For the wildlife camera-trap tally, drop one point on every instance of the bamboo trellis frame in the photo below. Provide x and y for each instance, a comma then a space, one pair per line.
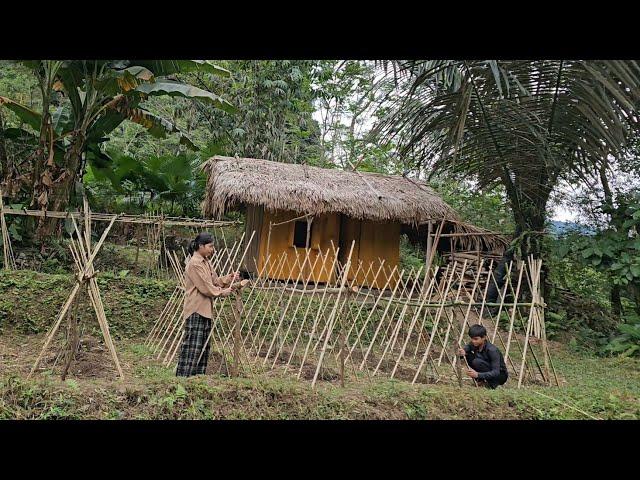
155, 223
84, 257
124, 218
410, 329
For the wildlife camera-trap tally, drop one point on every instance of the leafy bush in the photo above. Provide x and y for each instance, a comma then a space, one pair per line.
627, 340
411, 256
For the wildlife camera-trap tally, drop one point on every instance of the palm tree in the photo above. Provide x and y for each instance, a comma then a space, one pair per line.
523, 124
93, 97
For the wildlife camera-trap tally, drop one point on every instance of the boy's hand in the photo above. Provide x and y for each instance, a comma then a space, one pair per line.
462, 352
472, 373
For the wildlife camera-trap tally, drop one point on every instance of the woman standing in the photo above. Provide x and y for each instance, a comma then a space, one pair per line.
201, 286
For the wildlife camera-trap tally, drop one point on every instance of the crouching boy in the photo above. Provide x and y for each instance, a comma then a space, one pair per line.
486, 363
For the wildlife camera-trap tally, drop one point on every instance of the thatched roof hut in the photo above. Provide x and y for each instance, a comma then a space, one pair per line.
283, 201
313, 190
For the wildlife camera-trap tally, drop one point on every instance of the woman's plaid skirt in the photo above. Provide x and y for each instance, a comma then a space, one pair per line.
192, 359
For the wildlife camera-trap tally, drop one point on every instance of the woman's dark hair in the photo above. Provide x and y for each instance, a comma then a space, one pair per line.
203, 238
477, 330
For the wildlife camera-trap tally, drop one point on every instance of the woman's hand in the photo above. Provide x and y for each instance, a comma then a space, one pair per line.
225, 292
235, 276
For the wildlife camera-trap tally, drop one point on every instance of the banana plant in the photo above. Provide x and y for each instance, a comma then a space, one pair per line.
91, 98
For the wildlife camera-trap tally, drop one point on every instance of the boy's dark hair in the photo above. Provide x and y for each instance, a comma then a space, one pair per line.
477, 330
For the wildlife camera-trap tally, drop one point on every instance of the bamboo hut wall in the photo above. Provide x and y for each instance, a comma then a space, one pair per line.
253, 222
375, 242
324, 232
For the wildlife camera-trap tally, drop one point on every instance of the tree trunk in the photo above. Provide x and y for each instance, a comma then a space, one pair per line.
529, 206
55, 185
616, 304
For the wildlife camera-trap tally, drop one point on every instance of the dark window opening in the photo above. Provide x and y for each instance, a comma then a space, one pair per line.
300, 234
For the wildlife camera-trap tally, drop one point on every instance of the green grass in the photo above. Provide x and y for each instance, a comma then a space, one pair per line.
29, 299
607, 388
603, 388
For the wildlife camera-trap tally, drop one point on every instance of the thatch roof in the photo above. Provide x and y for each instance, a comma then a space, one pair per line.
313, 190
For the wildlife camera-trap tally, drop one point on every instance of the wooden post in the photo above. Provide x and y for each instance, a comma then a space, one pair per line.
136, 235
428, 260
9, 262
545, 345
236, 307
72, 338
333, 315
268, 252
341, 339
309, 221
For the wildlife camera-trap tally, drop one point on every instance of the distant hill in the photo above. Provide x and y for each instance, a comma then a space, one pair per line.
557, 228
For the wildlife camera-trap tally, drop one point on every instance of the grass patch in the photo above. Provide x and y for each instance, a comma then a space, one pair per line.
606, 388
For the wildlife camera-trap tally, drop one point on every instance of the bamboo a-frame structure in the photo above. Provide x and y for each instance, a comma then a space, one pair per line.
83, 256
411, 329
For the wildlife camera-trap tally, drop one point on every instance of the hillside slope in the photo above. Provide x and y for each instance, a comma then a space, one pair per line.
592, 387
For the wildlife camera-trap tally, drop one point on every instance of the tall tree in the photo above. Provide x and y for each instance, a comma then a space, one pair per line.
523, 124
274, 120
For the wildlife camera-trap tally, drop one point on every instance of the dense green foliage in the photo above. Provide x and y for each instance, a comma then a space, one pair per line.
495, 138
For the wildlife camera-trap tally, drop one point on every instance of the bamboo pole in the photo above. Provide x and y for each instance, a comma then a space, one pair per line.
9, 261
362, 303
414, 319
143, 219
259, 344
333, 315
375, 334
502, 297
82, 277
373, 309
435, 326
513, 311
92, 287
332, 290
276, 269
486, 289
237, 309
295, 311
450, 321
535, 275
439, 287
401, 302
465, 322
308, 310
394, 335
284, 312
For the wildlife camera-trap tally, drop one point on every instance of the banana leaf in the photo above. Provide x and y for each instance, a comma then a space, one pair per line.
175, 89
30, 117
